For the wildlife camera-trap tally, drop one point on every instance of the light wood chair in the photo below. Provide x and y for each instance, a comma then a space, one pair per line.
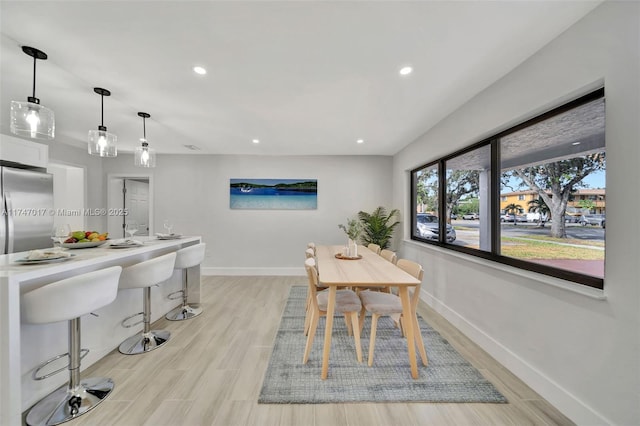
389, 255
347, 303
312, 246
381, 304
374, 248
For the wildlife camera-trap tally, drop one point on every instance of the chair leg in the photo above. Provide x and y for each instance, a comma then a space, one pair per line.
363, 313
311, 334
356, 335
307, 315
372, 339
418, 337
348, 324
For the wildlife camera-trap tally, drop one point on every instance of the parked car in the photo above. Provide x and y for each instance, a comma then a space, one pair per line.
428, 227
454, 216
568, 218
513, 218
471, 216
592, 219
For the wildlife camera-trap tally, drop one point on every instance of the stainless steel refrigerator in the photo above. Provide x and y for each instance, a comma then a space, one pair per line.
27, 210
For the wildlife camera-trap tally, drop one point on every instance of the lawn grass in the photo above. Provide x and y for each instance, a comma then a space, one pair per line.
520, 249
591, 243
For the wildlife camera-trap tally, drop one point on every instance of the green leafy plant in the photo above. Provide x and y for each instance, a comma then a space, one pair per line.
378, 226
353, 229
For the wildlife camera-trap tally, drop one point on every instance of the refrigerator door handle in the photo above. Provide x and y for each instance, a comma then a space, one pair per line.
3, 228
9, 209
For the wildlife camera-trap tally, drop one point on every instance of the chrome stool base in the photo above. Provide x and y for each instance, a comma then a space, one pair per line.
144, 342
184, 313
65, 404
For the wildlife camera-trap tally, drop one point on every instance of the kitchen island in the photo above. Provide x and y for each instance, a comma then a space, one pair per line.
24, 346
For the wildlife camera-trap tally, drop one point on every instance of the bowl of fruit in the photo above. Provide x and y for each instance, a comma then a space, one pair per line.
85, 239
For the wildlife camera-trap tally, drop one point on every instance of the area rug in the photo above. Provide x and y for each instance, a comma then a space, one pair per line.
447, 378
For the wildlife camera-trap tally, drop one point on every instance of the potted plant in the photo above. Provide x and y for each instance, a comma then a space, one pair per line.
378, 226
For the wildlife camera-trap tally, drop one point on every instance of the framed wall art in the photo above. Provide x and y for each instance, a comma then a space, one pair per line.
273, 194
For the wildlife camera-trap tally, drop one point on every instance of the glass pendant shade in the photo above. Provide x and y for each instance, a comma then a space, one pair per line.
32, 120
29, 118
145, 156
102, 143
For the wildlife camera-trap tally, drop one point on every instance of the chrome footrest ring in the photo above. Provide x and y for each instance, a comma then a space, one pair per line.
125, 325
34, 375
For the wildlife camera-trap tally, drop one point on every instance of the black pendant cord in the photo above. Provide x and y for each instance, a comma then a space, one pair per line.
34, 76
101, 110
144, 128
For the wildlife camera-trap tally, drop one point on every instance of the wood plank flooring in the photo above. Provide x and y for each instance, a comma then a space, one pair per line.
210, 373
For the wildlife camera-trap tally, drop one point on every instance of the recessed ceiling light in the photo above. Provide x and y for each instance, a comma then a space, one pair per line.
575, 143
360, 141
192, 147
406, 70
255, 141
199, 70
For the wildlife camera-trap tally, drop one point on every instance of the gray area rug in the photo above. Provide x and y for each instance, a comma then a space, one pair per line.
447, 378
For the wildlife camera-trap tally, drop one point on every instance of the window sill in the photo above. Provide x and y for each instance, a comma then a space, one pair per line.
583, 290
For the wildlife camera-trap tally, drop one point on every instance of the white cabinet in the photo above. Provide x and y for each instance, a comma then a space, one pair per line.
23, 151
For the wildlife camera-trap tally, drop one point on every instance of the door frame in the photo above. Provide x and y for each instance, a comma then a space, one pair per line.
114, 178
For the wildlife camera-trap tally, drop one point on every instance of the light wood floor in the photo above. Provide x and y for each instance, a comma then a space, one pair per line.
210, 373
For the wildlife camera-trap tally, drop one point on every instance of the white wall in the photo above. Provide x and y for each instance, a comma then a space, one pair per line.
193, 191
580, 353
61, 153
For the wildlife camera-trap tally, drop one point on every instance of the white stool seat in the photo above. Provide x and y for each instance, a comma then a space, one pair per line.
69, 299
148, 273
186, 258
145, 275
190, 256
72, 297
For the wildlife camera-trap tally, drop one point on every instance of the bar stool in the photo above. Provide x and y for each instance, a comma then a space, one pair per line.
68, 300
186, 258
144, 275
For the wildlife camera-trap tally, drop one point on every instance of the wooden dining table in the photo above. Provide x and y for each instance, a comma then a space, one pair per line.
371, 270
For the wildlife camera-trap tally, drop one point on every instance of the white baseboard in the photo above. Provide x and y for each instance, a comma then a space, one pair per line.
568, 404
282, 271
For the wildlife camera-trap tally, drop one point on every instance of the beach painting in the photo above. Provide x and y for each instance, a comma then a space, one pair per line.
273, 194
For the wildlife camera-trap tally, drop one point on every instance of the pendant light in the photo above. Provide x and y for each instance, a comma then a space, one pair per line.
145, 156
30, 118
101, 143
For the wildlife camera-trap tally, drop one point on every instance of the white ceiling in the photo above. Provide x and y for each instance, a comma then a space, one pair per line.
303, 77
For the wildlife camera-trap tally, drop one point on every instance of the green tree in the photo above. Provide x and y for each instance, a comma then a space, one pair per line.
587, 205
377, 227
460, 184
554, 183
427, 191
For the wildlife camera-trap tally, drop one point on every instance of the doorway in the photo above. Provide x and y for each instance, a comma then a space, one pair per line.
133, 194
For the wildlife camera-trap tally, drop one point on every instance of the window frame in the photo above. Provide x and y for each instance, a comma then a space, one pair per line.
493, 254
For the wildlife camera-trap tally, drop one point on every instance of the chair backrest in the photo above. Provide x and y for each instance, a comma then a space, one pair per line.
190, 256
389, 255
149, 272
414, 269
312, 246
374, 248
312, 275
309, 253
411, 268
72, 297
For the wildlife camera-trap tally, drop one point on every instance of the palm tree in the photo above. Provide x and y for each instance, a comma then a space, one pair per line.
513, 209
539, 206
